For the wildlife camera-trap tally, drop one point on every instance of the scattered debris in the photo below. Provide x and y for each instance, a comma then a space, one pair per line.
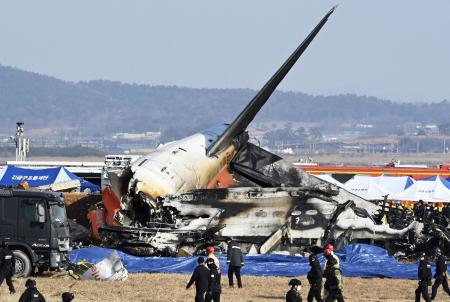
197, 191
109, 269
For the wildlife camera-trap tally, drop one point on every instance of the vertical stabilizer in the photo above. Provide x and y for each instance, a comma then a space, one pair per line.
248, 114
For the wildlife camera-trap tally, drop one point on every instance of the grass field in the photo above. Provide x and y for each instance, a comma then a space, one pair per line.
171, 287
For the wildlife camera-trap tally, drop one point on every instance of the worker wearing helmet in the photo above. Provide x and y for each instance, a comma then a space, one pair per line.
329, 253
332, 274
31, 294
210, 252
293, 295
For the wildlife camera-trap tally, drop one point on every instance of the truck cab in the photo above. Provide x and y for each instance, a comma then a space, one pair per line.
34, 224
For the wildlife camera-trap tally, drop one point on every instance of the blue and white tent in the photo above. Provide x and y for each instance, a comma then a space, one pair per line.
373, 187
394, 184
433, 189
13, 176
365, 187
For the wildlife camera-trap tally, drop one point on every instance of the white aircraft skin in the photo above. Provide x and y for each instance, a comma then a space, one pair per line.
179, 166
193, 162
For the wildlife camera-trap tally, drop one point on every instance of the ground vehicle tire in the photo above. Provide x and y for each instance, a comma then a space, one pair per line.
23, 264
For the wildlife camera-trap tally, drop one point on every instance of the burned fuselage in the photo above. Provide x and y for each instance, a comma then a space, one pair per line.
216, 184
304, 216
194, 162
252, 214
173, 168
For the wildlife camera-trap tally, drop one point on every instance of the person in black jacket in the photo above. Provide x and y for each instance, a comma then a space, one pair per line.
201, 278
445, 215
315, 279
214, 287
31, 294
441, 275
446, 211
235, 261
67, 297
7, 266
424, 274
420, 211
293, 295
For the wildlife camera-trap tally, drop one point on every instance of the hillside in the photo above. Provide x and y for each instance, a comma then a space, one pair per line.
103, 107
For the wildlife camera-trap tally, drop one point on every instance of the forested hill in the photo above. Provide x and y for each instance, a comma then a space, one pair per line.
103, 107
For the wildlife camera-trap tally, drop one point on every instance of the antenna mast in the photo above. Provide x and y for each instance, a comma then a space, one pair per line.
22, 143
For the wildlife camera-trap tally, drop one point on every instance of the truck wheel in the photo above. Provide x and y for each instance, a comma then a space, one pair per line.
23, 264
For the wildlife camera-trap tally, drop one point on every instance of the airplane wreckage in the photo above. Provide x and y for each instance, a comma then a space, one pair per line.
198, 191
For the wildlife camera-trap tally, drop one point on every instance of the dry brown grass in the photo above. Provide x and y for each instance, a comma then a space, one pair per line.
170, 287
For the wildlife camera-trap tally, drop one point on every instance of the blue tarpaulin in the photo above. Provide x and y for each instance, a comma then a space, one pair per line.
13, 176
357, 260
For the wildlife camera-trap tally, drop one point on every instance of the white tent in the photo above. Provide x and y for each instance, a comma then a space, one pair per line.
330, 179
370, 187
394, 184
404, 188
365, 187
433, 189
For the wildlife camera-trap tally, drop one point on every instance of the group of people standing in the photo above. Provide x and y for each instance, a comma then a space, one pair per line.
7, 269
399, 215
333, 289
425, 277
207, 275
432, 213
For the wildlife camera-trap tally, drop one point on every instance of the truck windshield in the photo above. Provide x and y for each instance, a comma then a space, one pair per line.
58, 213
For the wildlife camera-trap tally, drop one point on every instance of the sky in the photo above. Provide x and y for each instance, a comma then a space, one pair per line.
398, 50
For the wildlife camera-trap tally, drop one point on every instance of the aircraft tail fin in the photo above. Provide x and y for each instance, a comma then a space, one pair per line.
248, 114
